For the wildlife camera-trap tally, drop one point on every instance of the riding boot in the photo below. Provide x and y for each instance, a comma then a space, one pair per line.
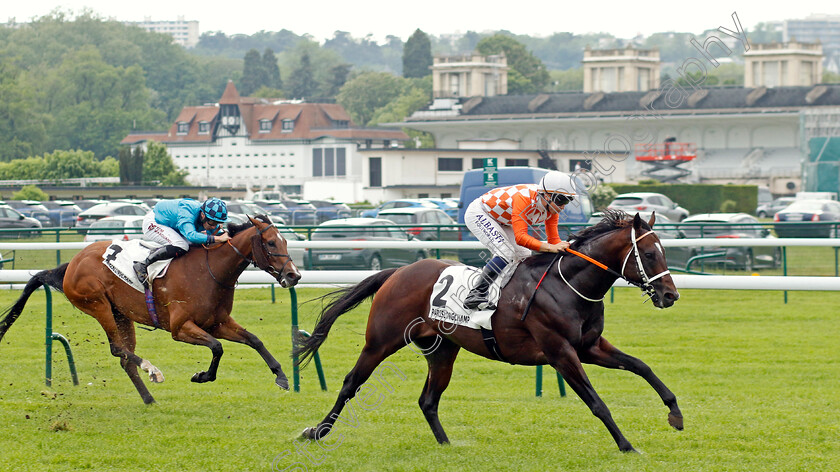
159, 254
478, 295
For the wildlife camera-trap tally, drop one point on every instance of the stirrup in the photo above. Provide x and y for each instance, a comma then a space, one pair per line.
478, 299
142, 275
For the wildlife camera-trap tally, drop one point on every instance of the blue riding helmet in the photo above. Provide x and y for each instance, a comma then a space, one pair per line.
215, 210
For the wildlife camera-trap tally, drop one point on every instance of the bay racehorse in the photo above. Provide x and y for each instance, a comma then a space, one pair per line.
563, 325
193, 301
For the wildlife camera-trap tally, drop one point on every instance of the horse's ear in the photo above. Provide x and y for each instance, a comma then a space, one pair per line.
637, 222
652, 219
253, 221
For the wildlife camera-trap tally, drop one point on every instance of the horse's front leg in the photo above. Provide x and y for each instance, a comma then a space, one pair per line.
604, 354
190, 333
232, 331
563, 357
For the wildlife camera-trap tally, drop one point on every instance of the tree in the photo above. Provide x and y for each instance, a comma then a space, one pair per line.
253, 73
338, 77
30, 192
128, 168
417, 55
534, 76
158, 166
367, 92
272, 70
302, 80
562, 80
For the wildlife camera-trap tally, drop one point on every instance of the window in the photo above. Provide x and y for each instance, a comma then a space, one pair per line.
329, 162
340, 161
477, 163
288, 126
516, 162
450, 164
375, 171
265, 126
203, 127
341, 123
183, 127
317, 163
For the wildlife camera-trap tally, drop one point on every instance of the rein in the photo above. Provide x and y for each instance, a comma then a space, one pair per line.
260, 260
645, 285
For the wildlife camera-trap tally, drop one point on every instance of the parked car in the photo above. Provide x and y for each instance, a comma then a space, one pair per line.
648, 201
97, 212
811, 211
120, 228
276, 210
13, 220
301, 212
360, 229
85, 204
31, 209
402, 203
425, 223
329, 210
725, 226
770, 209
62, 212
446, 205
240, 210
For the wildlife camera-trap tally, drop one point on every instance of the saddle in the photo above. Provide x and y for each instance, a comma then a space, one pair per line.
121, 256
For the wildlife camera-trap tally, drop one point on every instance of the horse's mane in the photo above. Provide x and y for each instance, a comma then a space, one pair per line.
234, 229
613, 220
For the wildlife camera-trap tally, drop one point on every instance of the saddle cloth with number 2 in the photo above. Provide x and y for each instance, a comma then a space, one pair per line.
449, 292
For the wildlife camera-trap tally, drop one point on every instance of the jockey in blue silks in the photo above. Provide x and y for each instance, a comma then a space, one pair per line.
178, 223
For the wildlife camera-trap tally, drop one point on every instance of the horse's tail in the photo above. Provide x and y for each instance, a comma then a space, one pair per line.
341, 301
53, 278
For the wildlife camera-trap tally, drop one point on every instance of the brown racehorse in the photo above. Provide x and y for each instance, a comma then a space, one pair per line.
562, 328
193, 300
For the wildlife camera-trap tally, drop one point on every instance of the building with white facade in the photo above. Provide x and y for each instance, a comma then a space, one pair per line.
824, 29
184, 32
620, 70
309, 149
781, 64
469, 75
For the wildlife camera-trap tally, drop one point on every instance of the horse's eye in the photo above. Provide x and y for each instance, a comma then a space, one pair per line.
272, 243
649, 255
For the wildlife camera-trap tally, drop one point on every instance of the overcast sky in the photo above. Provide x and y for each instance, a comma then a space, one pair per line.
320, 18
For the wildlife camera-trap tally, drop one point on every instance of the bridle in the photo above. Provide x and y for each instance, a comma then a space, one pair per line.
260, 255
646, 284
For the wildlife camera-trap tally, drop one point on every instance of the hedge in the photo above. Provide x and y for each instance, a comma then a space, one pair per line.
700, 198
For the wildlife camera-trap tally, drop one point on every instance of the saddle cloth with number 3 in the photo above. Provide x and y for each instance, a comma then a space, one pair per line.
121, 256
449, 292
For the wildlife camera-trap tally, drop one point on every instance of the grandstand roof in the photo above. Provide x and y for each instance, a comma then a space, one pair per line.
664, 101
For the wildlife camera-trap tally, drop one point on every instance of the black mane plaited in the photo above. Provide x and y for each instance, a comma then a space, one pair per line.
234, 229
613, 220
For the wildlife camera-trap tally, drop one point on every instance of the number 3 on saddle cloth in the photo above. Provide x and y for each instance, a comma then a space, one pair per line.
449, 292
121, 256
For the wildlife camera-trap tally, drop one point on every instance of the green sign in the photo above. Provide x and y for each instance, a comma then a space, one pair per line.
491, 177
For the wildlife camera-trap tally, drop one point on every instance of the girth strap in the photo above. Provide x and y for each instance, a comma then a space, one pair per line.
491, 344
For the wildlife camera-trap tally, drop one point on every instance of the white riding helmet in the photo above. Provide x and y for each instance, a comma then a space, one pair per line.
559, 185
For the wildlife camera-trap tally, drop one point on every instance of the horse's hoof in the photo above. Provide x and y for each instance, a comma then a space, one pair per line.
156, 376
308, 433
675, 421
201, 377
630, 450
282, 382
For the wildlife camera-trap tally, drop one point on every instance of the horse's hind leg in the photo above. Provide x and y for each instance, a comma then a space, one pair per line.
604, 354
126, 330
368, 361
232, 331
440, 361
101, 310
